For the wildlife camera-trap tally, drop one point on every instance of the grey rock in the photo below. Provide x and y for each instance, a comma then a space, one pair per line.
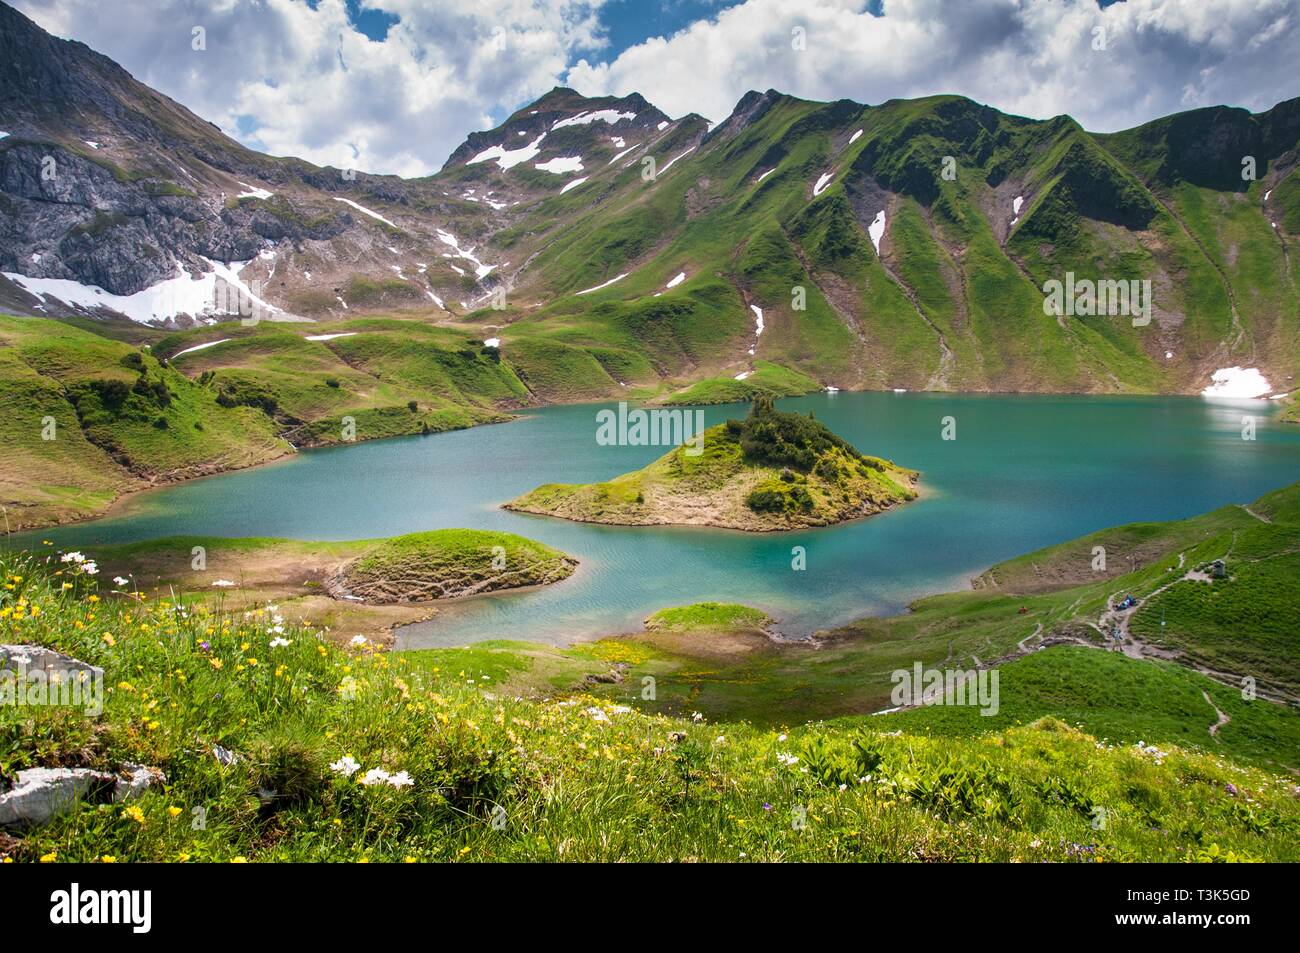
42, 794
30, 658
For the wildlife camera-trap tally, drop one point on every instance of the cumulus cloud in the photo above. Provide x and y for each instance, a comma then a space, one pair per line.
296, 79
300, 80
1030, 57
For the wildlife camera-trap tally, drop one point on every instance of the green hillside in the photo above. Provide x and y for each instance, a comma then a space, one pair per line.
127, 417
333, 754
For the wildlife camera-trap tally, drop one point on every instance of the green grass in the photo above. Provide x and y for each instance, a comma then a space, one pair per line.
454, 561
767, 378
706, 615
496, 778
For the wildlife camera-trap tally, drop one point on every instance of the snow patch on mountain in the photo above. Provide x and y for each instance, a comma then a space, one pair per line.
1237, 382
169, 298
876, 230
605, 285
509, 158
200, 347
364, 211
610, 116
824, 181
573, 184
561, 164
480, 269
671, 161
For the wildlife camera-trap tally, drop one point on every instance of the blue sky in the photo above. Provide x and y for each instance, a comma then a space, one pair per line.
397, 85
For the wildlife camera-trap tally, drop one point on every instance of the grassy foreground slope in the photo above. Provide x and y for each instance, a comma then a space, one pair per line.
771, 471
348, 755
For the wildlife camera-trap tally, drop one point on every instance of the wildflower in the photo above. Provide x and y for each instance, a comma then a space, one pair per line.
401, 780
697, 717
357, 640
278, 642
375, 776
108, 859
73, 557
223, 583
50, 858
786, 758
89, 568
109, 640
346, 766
174, 811
239, 860
134, 813
120, 581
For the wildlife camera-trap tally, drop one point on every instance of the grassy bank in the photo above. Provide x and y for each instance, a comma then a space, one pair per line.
365, 587
351, 755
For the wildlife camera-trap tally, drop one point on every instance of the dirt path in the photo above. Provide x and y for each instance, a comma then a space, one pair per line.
1223, 717
1259, 516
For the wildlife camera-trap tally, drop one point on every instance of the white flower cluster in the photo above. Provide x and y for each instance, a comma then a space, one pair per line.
348, 766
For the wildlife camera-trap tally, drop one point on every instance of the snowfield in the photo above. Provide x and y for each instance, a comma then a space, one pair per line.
560, 164
509, 158
610, 116
181, 295
573, 184
1237, 382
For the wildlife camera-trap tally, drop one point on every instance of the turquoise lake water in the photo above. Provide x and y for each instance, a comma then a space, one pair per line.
1024, 472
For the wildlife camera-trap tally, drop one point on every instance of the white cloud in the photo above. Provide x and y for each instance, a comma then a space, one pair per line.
293, 80
307, 83
1030, 57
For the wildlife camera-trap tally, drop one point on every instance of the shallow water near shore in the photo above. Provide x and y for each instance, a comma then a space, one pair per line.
1024, 472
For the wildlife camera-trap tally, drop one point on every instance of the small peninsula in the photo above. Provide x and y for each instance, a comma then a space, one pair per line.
771, 471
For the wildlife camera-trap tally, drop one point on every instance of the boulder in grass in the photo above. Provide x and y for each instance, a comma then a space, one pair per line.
41, 794
32, 658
